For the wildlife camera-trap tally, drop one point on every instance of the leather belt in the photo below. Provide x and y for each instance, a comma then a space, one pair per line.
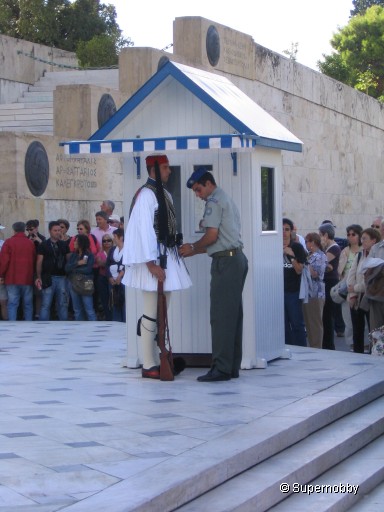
228, 253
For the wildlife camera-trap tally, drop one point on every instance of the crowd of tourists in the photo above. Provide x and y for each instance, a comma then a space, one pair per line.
61, 277
333, 286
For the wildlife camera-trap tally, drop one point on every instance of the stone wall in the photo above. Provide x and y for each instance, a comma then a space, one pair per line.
25, 62
77, 109
339, 173
40, 182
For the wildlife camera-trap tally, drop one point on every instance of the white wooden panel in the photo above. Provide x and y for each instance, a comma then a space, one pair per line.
264, 288
173, 111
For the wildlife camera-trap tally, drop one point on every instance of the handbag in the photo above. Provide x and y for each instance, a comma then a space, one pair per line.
339, 292
81, 283
376, 338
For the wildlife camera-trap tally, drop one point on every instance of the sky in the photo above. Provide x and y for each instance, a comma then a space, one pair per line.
275, 24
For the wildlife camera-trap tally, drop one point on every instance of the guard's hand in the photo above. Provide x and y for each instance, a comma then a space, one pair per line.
156, 271
186, 250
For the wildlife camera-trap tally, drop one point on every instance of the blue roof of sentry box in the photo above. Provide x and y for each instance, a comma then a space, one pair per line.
252, 125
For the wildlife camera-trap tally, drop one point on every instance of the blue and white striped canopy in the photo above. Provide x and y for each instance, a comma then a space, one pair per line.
232, 141
248, 123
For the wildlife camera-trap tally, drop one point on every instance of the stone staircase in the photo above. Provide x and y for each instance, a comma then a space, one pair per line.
320, 448
33, 112
347, 455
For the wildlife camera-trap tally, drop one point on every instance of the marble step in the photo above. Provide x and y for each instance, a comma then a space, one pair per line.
46, 129
33, 97
41, 88
364, 469
19, 106
186, 477
16, 118
259, 488
370, 502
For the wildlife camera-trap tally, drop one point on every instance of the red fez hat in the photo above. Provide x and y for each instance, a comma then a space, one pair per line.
161, 159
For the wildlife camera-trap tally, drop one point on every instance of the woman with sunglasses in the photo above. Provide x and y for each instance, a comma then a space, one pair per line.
356, 289
347, 257
84, 228
102, 278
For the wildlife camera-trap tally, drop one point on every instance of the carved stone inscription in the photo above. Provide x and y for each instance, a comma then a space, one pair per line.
76, 173
236, 52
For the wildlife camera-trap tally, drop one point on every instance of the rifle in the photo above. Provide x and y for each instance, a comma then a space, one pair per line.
166, 359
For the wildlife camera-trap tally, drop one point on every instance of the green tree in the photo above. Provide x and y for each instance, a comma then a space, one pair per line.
9, 15
360, 6
99, 51
359, 48
64, 24
334, 66
40, 21
366, 82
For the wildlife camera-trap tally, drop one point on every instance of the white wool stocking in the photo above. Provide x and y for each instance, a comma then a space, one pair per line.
149, 329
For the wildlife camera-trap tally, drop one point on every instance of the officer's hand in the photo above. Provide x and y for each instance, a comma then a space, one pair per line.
186, 250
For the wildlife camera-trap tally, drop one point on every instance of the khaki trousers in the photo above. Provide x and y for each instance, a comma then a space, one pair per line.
313, 319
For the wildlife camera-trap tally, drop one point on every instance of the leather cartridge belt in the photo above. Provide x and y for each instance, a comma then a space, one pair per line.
227, 253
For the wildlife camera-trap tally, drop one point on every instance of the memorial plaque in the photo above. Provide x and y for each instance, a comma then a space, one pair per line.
213, 45
36, 168
107, 107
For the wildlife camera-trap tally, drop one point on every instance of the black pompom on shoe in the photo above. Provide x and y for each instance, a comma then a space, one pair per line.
179, 365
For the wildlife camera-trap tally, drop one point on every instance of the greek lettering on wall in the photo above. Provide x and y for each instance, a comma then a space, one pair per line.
76, 173
236, 53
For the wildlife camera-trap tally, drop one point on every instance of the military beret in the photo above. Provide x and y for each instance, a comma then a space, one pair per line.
196, 175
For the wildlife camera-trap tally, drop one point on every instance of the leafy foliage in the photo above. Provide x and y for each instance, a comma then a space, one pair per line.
360, 6
81, 24
98, 51
359, 53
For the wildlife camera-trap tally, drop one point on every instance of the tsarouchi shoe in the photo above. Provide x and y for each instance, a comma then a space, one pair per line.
151, 373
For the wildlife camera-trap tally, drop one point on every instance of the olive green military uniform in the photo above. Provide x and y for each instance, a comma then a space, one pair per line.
228, 272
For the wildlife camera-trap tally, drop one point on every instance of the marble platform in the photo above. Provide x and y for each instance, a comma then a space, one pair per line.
81, 433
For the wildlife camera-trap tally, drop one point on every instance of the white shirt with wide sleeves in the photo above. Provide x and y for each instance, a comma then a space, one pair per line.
141, 246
